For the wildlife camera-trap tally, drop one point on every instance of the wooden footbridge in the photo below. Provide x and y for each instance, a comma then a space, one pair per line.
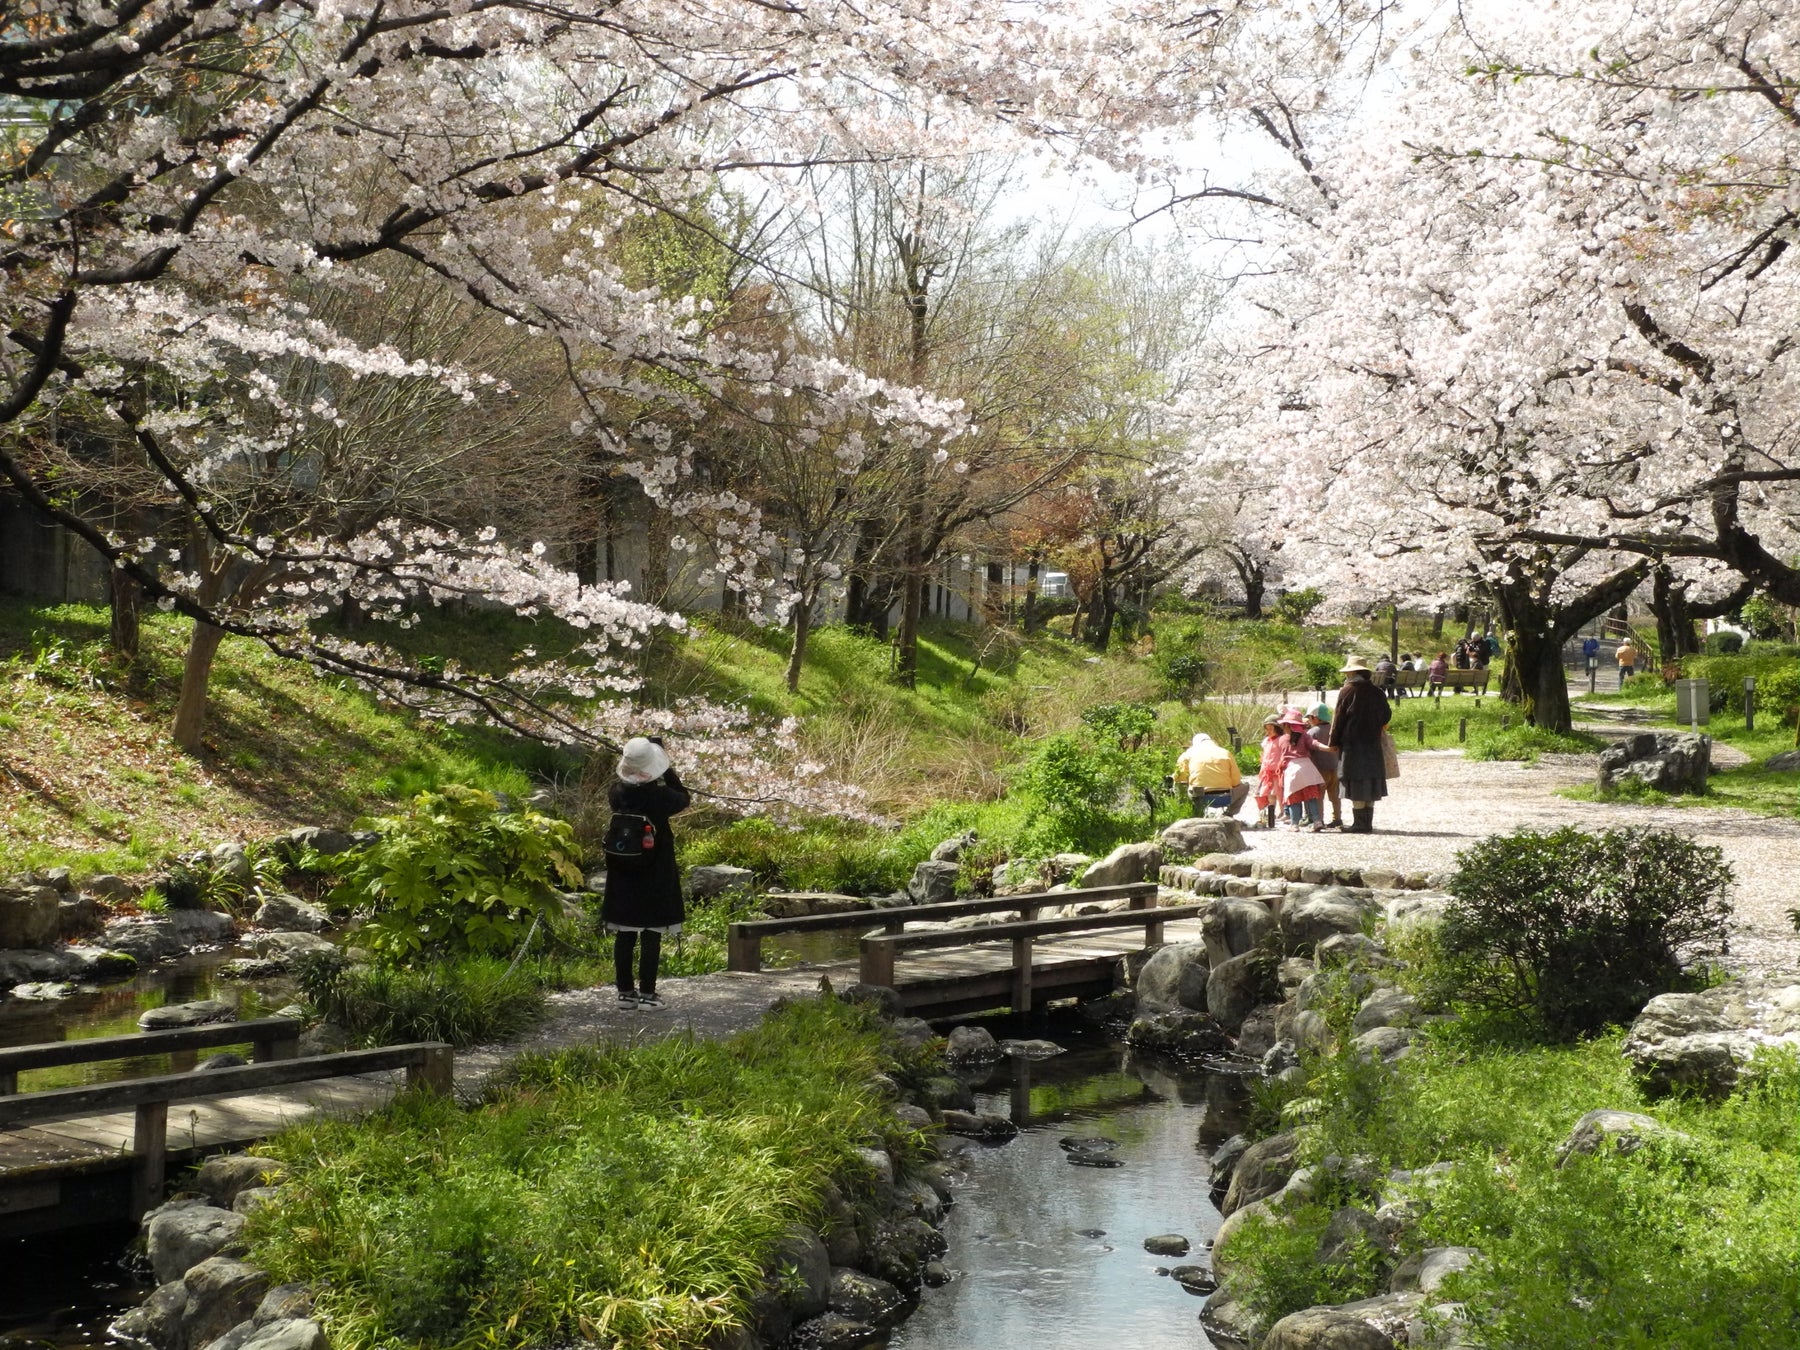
101, 1153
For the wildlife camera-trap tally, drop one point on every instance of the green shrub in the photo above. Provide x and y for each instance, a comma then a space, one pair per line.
1276, 1270
1764, 618
1724, 643
456, 874
1571, 932
1778, 692
1524, 743
1296, 607
465, 1001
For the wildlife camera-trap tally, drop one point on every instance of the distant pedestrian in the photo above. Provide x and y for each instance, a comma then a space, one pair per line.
1302, 785
643, 885
1590, 652
1361, 716
1318, 726
1627, 657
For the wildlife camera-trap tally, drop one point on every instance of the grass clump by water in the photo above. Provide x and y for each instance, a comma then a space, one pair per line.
613, 1196
464, 1001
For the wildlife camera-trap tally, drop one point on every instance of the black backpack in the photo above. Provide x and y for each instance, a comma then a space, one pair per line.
629, 836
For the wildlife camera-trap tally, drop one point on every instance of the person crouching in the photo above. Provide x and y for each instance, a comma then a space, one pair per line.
1211, 776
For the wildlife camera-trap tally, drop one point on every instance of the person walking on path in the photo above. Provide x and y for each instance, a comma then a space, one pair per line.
1627, 658
1362, 715
643, 885
1208, 770
1318, 726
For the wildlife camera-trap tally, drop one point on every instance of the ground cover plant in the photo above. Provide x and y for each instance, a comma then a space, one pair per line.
628, 1197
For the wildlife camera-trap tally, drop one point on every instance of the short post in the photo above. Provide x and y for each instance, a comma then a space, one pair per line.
1021, 955
282, 1043
435, 1071
1462, 730
1237, 739
1421, 731
743, 948
1593, 664
1505, 721
150, 1142
877, 965
1749, 703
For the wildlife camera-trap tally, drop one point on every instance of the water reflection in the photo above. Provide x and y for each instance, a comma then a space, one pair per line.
1049, 1254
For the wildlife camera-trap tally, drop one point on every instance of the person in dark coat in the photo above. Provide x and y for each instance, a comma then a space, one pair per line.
643, 892
1356, 726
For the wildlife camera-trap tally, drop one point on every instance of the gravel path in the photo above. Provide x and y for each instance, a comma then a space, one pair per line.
1442, 803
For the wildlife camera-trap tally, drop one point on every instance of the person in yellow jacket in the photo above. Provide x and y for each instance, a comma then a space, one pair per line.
1207, 771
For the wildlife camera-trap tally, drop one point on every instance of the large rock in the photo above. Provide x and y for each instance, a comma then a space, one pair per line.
281, 1333
183, 1234
1126, 864
900, 1248
153, 937
320, 839
1205, 836
1325, 1329
1669, 761
1416, 909
1424, 1271
1190, 1035
1262, 1171
1174, 977
220, 1294
933, 883
110, 888
155, 1324
30, 916
1785, 762
971, 1045
1383, 1044
835, 1331
1387, 1008
1702, 1042
716, 879
34, 967
1618, 1132
79, 917
799, 904
1236, 925
1239, 985
1320, 915
232, 863
952, 849
865, 1298
202, 1013
289, 913
286, 946
804, 1269
221, 1178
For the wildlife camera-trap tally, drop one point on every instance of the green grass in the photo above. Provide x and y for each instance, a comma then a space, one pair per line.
1694, 1243
619, 1197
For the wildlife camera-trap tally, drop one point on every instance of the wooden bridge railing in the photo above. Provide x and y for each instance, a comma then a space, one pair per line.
428, 1064
744, 939
270, 1038
880, 950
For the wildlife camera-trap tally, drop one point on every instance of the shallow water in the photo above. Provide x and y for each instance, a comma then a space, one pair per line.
63, 1290
1027, 1269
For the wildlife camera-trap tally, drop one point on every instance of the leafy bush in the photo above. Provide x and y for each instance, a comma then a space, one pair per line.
1572, 932
1296, 607
1178, 658
1724, 643
1276, 1270
456, 874
1778, 692
1764, 618
465, 1001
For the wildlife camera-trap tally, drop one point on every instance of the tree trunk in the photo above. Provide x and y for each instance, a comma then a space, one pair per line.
1106, 616
1028, 616
1535, 652
912, 597
126, 599
190, 707
797, 651
1394, 633
1255, 581
1675, 636
1437, 624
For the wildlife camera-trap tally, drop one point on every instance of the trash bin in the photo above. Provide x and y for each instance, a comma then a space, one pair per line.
1693, 706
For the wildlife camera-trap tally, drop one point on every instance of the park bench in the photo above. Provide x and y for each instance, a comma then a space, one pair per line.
1454, 680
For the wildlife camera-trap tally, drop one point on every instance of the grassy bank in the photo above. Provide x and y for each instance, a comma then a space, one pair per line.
621, 1197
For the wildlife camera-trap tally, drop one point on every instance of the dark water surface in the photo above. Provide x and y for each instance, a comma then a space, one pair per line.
1028, 1270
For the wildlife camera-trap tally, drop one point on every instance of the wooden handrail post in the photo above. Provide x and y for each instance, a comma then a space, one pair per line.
877, 963
743, 948
1021, 954
435, 1070
9, 1083
893, 926
150, 1142
1028, 912
277, 1045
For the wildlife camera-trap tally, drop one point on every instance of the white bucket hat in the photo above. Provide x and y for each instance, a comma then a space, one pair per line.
642, 761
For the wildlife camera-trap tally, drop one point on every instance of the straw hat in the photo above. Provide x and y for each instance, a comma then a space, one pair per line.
1354, 664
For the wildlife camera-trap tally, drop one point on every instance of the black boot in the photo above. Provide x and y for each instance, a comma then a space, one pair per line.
1362, 820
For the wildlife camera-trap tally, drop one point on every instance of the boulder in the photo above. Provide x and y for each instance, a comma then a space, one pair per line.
1256, 1038
1349, 1231
152, 937
1167, 1244
1385, 1044
184, 1234
1387, 1008
835, 1331
1262, 1171
284, 1301
933, 883
1063, 866
1194, 1279
913, 1033
109, 888
951, 849
1240, 984
711, 879
1785, 762
978, 1125
899, 1249
289, 913
1325, 1329
865, 1298
799, 904
253, 1198
222, 1177
1703, 1042
803, 1272
944, 1093
1348, 949
230, 862
1032, 1049
286, 1333
251, 968
1416, 909
1205, 837
1190, 1035
1126, 864
282, 946
199, 1014
1381, 879
320, 839
1230, 1321
30, 917
971, 1045
42, 992
1424, 1271
220, 1294
79, 916
1617, 1132
1234, 926
1174, 977
878, 1165
155, 1324
225, 1059
1669, 761
1319, 915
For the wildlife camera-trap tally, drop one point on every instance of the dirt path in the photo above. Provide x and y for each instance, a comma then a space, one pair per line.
1442, 803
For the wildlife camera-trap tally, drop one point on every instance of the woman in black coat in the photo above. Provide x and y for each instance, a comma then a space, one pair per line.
643, 890
1356, 726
